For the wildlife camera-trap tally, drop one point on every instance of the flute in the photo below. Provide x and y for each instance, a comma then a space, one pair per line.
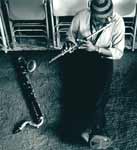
75, 47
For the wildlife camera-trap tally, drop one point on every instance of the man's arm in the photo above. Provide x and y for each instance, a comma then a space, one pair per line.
115, 51
74, 29
118, 40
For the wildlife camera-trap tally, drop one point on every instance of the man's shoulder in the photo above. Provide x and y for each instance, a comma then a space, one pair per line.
83, 12
117, 17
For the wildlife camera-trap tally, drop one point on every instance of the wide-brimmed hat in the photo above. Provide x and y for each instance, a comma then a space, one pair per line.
102, 8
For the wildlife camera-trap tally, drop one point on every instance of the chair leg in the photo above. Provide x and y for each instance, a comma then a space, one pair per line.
4, 41
57, 32
135, 30
13, 44
52, 23
11, 30
47, 23
133, 44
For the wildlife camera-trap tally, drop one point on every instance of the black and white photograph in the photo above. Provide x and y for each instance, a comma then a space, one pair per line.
68, 75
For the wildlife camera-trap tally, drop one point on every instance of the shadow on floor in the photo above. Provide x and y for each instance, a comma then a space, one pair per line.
85, 77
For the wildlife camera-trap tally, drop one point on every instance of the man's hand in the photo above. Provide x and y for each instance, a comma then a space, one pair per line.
87, 45
67, 45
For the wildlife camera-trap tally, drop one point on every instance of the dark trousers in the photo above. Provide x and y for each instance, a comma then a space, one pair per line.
86, 76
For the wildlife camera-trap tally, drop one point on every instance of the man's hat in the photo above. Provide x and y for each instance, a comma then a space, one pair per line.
102, 8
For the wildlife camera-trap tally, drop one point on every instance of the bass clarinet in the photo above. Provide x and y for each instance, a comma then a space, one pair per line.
29, 95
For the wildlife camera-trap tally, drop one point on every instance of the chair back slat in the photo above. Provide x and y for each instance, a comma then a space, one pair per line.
26, 9
126, 8
68, 7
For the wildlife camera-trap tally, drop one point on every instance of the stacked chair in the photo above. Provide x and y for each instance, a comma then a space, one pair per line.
27, 24
128, 10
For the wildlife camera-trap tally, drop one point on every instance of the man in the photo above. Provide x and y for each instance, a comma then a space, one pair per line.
102, 48
111, 41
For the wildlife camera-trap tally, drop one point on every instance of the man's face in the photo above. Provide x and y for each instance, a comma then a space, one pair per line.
100, 21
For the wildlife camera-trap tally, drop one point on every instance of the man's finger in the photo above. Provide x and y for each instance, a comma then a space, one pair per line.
82, 47
81, 41
70, 44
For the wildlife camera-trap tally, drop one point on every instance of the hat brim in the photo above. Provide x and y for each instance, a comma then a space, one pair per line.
109, 14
